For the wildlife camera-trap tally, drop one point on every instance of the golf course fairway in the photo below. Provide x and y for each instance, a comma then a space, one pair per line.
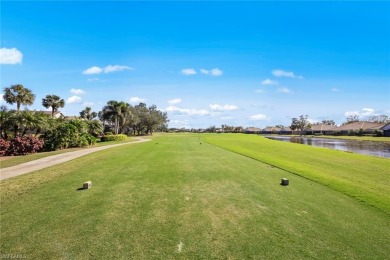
211, 196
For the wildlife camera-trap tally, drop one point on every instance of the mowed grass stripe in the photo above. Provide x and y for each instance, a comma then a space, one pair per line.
360, 176
147, 199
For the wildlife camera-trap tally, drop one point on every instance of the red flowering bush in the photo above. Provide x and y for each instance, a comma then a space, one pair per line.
4, 144
24, 145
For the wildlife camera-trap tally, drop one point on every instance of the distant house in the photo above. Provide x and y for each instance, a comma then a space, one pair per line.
73, 117
386, 130
271, 130
55, 115
322, 129
252, 130
366, 127
286, 131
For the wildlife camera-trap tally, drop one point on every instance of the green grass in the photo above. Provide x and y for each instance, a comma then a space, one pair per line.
358, 138
342, 137
360, 176
15, 160
148, 198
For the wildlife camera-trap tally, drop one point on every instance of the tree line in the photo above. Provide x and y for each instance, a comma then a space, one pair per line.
22, 128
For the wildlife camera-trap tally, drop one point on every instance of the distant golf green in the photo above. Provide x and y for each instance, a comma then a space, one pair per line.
181, 197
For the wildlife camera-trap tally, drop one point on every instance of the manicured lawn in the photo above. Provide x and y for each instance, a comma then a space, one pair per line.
15, 160
358, 138
179, 197
360, 176
343, 137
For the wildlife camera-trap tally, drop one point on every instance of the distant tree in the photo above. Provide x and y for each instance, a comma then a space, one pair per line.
117, 113
300, 123
155, 119
88, 114
211, 129
352, 118
328, 122
238, 129
19, 95
141, 112
53, 101
6, 122
379, 119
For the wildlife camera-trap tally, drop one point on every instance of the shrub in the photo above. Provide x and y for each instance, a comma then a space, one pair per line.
90, 139
108, 138
4, 144
68, 134
378, 133
24, 145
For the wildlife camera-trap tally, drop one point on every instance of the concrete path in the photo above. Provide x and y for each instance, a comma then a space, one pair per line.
39, 164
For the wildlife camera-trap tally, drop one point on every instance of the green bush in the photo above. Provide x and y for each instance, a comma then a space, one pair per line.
108, 138
67, 134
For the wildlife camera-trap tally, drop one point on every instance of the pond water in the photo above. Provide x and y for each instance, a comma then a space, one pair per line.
381, 149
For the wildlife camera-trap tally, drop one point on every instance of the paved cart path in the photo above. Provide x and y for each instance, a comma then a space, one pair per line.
39, 164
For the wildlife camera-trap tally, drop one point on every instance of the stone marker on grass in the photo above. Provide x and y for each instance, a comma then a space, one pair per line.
87, 185
284, 182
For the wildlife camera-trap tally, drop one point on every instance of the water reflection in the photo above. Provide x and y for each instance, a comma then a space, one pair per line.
380, 149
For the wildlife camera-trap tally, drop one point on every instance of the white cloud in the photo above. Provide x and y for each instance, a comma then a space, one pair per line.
10, 56
282, 73
93, 70
73, 99
1, 98
352, 113
88, 104
284, 90
137, 100
174, 101
334, 89
179, 123
93, 79
188, 72
226, 118
269, 82
216, 107
107, 69
216, 72
367, 112
259, 91
113, 68
203, 71
312, 121
258, 117
77, 91
186, 111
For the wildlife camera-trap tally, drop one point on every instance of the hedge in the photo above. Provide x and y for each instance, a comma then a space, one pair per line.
108, 138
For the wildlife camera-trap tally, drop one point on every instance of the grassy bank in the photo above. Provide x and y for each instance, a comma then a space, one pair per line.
179, 197
342, 137
357, 138
360, 176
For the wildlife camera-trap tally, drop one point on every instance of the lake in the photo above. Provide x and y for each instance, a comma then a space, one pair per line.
381, 149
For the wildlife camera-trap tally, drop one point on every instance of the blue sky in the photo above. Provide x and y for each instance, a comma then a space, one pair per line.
205, 63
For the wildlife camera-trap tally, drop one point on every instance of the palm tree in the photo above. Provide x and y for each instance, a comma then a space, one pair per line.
95, 127
53, 101
6, 121
117, 113
87, 114
19, 95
